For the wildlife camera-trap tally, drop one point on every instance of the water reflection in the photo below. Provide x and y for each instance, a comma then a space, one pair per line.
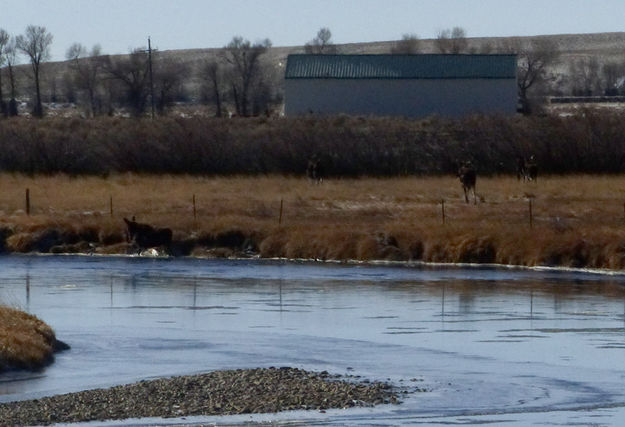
487, 339
27, 291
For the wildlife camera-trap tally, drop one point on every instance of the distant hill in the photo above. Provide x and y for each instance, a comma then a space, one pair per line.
605, 45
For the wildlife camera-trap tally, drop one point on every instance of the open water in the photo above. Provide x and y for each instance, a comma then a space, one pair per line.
489, 345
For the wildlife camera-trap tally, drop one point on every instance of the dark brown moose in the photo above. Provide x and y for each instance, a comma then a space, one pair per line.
527, 169
521, 173
314, 170
468, 176
145, 236
531, 169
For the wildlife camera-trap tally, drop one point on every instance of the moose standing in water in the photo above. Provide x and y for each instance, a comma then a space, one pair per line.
145, 236
467, 175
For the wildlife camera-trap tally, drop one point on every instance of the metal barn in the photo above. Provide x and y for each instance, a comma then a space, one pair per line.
400, 85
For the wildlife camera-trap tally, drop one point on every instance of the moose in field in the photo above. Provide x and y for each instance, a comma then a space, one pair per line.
527, 169
145, 236
314, 170
520, 168
531, 169
468, 176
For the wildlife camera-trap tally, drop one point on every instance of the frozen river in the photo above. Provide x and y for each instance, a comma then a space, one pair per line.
511, 347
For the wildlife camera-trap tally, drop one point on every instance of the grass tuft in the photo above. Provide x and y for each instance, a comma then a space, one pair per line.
25, 341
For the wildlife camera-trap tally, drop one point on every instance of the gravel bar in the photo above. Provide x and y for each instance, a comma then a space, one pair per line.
216, 393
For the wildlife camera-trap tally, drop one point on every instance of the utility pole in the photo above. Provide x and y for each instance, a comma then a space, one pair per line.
151, 77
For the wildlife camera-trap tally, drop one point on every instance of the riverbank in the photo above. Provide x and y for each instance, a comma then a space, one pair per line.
216, 393
26, 342
565, 221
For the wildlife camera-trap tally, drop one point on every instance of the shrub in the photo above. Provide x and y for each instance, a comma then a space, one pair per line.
588, 142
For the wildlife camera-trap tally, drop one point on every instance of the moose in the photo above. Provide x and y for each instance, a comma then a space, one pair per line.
527, 169
314, 170
531, 169
145, 236
520, 168
468, 176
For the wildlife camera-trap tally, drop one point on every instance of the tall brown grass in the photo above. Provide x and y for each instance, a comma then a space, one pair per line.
25, 341
578, 220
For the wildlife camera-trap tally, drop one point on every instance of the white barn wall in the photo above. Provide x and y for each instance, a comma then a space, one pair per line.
401, 97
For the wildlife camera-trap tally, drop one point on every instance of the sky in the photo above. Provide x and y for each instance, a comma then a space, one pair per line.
119, 26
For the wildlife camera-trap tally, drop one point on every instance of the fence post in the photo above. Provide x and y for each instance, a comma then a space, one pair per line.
111, 205
281, 205
194, 209
443, 210
27, 201
531, 214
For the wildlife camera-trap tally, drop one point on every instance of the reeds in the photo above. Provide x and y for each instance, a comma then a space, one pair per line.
586, 142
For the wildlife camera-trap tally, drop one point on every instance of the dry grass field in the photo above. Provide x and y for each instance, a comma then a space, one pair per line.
576, 221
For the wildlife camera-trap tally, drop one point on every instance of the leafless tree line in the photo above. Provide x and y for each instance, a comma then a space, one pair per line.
585, 75
101, 84
237, 76
238, 81
535, 57
35, 44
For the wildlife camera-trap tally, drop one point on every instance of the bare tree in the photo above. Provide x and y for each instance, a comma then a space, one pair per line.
11, 60
535, 57
213, 77
409, 44
87, 68
4, 42
322, 44
487, 47
611, 73
112, 93
132, 73
442, 42
35, 43
244, 59
52, 85
169, 76
452, 41
263, 97
585, 76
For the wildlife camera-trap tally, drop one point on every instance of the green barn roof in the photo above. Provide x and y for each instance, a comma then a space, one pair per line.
420, 66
